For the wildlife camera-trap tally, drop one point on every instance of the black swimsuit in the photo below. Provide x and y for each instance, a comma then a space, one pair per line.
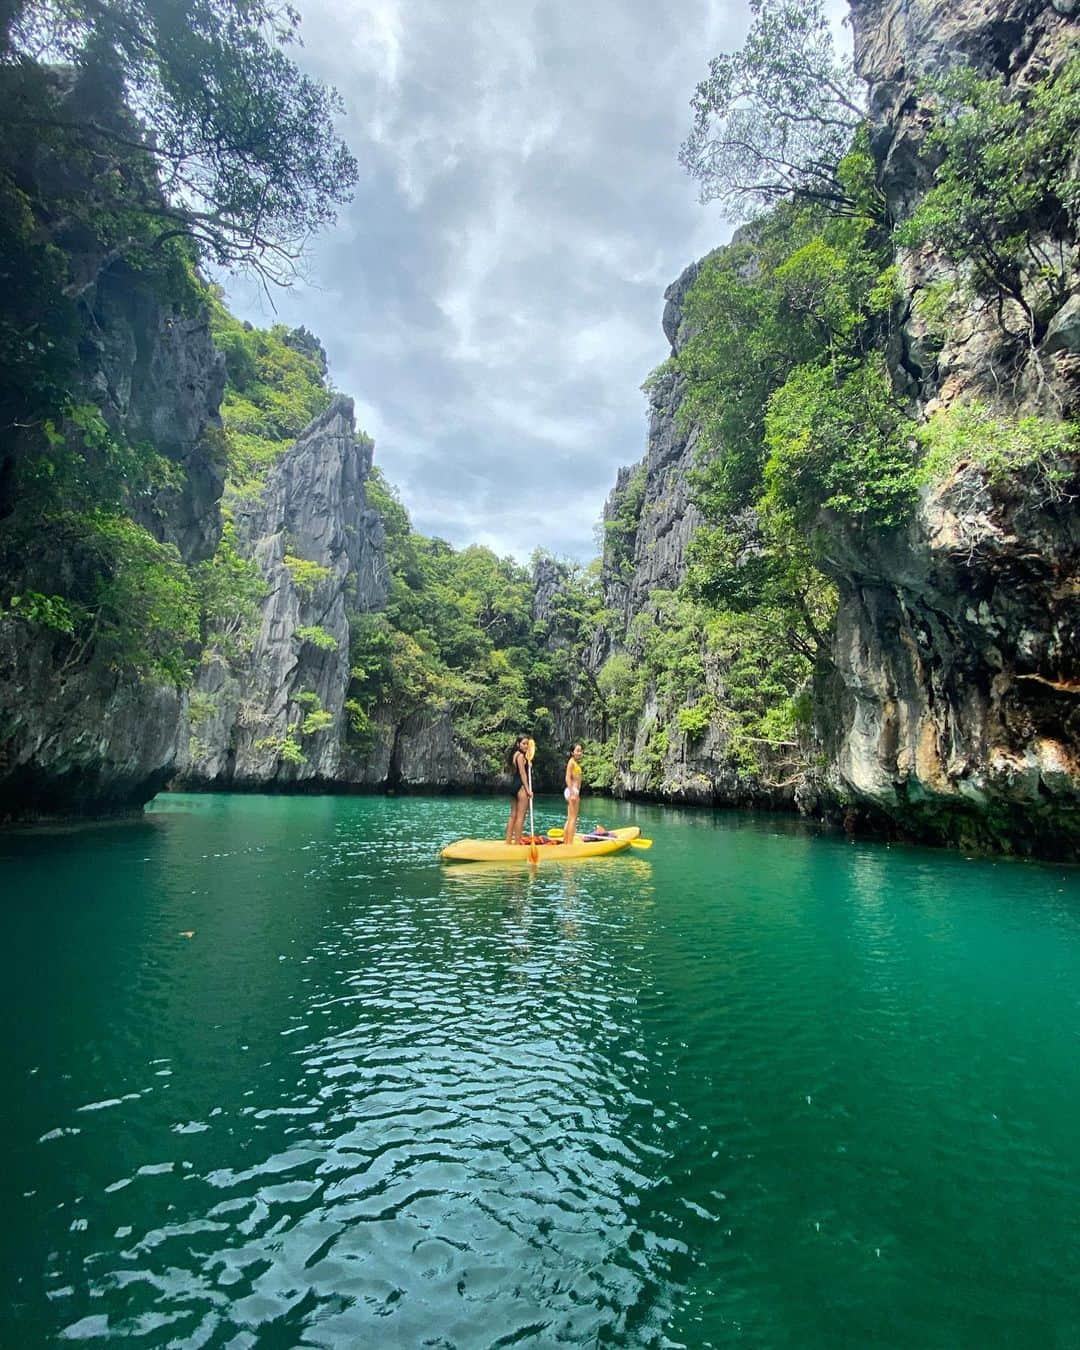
519, 786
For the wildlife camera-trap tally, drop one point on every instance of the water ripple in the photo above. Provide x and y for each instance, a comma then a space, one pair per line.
742, 1094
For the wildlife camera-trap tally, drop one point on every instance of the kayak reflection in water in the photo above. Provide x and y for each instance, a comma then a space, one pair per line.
520, 792
572, 793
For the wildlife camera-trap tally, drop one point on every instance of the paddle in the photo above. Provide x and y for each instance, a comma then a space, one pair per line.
558, 832
534, 852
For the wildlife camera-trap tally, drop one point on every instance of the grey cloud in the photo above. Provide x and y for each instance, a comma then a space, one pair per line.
492, 296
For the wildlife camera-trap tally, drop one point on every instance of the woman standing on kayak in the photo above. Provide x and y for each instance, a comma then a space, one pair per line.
520, 792
572, 793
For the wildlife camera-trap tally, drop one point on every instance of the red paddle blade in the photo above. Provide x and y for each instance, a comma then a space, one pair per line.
534, 853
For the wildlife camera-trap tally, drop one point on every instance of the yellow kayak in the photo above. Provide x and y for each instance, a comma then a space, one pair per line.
494, 850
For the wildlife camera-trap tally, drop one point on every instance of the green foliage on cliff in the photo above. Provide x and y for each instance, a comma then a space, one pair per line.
1005, 201
317, 637
242, 142
449, 637
307, 576
457, 636
276, 385
800, 291
739, 677
621, 526
44, 611
1041, 452
38, 322
231, 588
838, 441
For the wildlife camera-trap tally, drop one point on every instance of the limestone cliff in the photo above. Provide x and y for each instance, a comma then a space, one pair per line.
649, 551
949, 709
650, 520
275, 717
958, 643
79, 733
318, 547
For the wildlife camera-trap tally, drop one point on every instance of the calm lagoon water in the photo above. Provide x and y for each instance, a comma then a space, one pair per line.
275, 1077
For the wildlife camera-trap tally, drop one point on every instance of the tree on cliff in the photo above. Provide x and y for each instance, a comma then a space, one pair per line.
773, 120
244, 142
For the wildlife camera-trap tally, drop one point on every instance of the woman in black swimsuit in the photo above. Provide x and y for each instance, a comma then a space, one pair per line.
519, 790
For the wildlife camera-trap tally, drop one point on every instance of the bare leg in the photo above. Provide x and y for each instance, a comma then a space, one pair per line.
523, 809
518, 819
510, 822
572, 808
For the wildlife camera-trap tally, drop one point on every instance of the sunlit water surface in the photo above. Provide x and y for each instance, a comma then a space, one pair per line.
276, 1077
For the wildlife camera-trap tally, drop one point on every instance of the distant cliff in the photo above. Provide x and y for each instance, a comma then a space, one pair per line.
248, 717
278, 715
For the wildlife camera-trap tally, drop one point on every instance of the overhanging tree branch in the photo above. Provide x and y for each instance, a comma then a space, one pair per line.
238, 133
774, 119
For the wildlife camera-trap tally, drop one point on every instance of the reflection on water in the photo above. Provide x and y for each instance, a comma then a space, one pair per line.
285, 1080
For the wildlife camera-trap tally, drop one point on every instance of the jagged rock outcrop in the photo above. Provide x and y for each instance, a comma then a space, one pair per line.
958, 644
77, 735
277, 716
649, 518
898, 43
158, 380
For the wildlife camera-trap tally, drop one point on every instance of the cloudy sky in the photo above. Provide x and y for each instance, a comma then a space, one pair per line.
491, 298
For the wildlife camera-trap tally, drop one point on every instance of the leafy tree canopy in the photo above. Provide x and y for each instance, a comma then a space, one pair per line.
244, 142
773, 120
1005, 199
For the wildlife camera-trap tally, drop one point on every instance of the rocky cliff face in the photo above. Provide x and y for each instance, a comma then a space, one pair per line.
952, 711
79, 733
959, 646
958, 643
650, 552
158, 380
650, 520
276, 716
78, 736
898, 43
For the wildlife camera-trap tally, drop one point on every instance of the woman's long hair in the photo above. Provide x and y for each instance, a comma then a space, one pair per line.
513, 751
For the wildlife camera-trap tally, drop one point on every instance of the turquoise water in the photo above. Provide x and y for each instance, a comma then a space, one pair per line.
752, 1087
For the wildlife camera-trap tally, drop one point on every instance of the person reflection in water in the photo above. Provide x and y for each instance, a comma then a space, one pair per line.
572, 793
520, 792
